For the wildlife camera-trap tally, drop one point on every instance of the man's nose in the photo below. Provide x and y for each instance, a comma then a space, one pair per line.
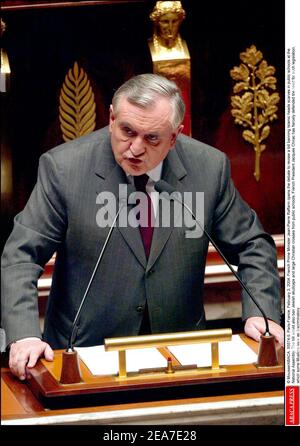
137, 146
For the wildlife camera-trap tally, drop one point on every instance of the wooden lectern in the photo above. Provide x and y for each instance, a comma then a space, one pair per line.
171, 392
153, 384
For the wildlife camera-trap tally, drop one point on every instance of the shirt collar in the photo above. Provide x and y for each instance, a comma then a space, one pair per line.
155, 174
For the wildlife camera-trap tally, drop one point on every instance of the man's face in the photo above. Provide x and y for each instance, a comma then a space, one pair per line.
141, 138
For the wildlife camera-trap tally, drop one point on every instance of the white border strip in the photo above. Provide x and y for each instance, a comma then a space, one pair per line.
131, 415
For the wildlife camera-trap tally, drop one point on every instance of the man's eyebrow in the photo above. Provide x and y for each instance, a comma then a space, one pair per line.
125, 124
153, 134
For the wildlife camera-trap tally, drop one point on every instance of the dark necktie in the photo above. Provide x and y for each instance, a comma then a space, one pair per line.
146, 233
145, 230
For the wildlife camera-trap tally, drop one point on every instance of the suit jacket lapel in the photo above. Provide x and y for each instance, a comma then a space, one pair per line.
110, 176
173, 172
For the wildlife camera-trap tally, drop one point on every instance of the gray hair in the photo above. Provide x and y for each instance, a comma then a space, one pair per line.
143, 90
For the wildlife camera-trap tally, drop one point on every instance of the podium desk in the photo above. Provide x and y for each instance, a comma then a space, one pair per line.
245, 395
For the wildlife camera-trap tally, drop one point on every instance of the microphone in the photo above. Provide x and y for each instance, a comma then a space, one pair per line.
163, 186
70, 368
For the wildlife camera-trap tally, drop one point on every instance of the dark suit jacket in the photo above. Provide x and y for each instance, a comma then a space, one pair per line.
60, 216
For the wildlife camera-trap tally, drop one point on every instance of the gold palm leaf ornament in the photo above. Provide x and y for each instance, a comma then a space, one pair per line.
77, 108
254, 106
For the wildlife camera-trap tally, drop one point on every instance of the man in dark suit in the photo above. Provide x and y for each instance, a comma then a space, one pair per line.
148, 281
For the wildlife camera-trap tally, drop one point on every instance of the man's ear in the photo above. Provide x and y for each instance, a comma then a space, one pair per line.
111, 116
176, 133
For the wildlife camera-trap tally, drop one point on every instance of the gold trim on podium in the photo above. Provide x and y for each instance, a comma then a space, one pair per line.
167, 339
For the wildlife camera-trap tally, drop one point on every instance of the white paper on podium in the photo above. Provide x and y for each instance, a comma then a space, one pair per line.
231, 352
100, 362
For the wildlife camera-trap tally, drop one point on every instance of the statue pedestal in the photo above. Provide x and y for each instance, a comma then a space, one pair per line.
175, 66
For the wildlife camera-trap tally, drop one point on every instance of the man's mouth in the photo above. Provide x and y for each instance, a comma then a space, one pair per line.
134, 160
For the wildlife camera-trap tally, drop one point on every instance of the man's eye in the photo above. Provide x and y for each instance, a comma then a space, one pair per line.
128, 131
152, 138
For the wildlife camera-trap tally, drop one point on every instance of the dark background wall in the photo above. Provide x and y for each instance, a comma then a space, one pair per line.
110, 42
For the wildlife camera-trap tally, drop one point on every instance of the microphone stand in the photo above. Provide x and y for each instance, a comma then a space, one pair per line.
70, 372
267, 354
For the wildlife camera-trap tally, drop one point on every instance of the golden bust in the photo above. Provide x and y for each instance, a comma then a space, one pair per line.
166, 42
